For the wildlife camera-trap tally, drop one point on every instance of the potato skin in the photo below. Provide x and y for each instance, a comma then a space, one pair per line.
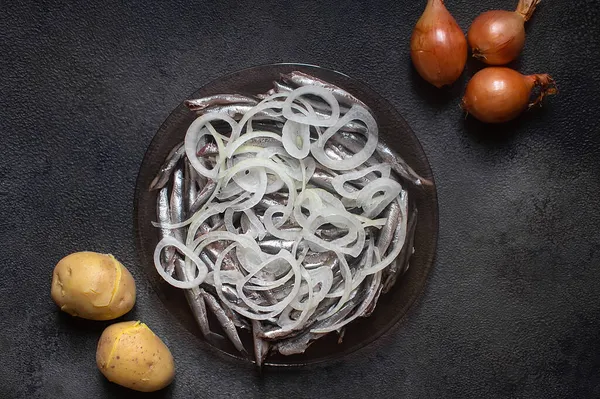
130, 355
93, 286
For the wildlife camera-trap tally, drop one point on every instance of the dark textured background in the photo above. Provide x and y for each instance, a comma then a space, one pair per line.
512, 308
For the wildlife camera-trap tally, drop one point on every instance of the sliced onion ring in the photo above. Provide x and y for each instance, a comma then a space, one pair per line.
356, 113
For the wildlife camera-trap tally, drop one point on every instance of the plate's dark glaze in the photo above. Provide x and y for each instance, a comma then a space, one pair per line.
393, 130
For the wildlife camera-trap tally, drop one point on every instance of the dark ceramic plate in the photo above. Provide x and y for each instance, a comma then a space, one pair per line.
393, 129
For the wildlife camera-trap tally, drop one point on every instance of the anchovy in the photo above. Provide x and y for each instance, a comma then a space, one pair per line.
214, 250
355, 144
209, 150
393, 215
280, 333
203, 196
270, 200
323, 107
265, 125
224, 321
331, 233
280, 87
199, 104
192, 295
261, 347
339, 153
163, 213
323, 178
190, 186
402, 262
302, 79
164, 173
237, 111
314, 260
371, 308
238, 321
176, 202
300, 343
197, 305
371, 297
228, 292
398, 164
274, 246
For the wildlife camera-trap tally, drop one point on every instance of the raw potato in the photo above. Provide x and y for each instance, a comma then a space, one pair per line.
130, 355
93, 286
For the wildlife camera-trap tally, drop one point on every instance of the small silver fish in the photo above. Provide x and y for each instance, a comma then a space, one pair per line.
371, 308
190, 187
225, 322
330, 234
261, 347
178, 265
164, 173
163, 214
313, 260
280, 87
300, 343
197, 305
274, 246
398, 164
322, 107
401, 264
355, 144
199, 104
271, 200
323, 178
203, 197
176, 203
237, 111
393, 215
302, 79
208, 150
238, 321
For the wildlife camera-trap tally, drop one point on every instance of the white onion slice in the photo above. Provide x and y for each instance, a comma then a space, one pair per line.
339, 180
296, 139
347, 290
201, 216
267, 164
272, 310
200, 266
228, 218
307, 308
357, 313
354, 229
272, 229
263, 105
373, 206
356, 113
234, 145
322, 276
256, 224
312, 119
195, 132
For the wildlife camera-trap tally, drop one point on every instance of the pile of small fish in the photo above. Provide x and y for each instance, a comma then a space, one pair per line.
283, 214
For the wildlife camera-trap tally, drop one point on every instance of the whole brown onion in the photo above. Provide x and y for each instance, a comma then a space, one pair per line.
438, 47
497, 37
499, 94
